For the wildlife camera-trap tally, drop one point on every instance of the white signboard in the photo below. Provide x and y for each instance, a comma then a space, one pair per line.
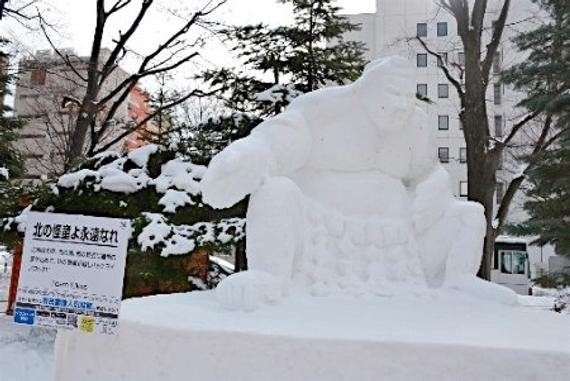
72, 272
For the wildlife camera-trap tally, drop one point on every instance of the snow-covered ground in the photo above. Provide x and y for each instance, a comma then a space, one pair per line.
28, 354
429, 336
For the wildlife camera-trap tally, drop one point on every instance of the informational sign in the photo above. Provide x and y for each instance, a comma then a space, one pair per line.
72, 272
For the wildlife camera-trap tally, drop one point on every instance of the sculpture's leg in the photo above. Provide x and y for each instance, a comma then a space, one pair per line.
274, 229
275, 226
451, 253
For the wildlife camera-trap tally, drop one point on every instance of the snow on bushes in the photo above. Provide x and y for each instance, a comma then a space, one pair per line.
4, 174
176, 183
158, 190
181, 239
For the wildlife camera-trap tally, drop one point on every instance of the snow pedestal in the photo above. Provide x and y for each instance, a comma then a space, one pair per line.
433, 336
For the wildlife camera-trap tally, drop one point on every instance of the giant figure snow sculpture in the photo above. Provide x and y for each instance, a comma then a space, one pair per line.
347, 195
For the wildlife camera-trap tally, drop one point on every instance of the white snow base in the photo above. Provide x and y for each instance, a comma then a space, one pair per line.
412, 337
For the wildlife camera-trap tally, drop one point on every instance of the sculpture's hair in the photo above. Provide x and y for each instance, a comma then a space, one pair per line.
392, 61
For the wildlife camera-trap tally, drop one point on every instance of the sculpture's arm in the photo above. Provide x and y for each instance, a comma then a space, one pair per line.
277, 146
288, 139
427, 180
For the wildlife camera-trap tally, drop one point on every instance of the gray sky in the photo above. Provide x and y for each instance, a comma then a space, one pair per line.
76, 18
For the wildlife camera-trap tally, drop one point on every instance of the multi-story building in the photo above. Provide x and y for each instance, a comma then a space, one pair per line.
44, 97
392, 30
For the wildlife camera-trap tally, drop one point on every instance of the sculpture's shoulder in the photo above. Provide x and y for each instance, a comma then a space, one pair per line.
326, 100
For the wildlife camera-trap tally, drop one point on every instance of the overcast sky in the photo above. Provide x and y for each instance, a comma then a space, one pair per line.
76, 19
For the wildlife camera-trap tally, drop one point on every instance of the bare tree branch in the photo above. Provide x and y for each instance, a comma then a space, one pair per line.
516, 182
478, 17
492, 47
64, 57
120, 4
124, 38
517, 126
445, 70
134, 127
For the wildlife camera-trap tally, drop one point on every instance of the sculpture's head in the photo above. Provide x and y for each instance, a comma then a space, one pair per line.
386, 90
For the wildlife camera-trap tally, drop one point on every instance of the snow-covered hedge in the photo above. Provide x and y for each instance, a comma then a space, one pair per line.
158, 189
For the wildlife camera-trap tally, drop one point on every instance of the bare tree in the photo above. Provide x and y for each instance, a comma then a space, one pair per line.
22, 11
98, 106
485, 152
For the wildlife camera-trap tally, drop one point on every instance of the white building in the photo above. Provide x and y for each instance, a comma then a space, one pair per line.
44, 84
392, 30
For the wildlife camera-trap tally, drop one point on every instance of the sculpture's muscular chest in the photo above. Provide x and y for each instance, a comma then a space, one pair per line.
344, 139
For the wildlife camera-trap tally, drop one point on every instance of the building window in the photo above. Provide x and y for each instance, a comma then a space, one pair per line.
463, 188
498, 126
443, 154
38, 76
513, 262
443, 122
443, 90
497, 63
497, 93
461, 58
422, 60
421, 29
33, 156
31, 136
442, 59
441, 29
422, 89
500, 161
462, 154
500, 192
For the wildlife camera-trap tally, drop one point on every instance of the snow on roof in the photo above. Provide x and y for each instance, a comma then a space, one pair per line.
509, 239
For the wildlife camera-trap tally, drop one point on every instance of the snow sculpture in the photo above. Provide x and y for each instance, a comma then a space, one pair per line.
347, 195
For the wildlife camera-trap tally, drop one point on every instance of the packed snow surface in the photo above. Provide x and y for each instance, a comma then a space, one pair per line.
429, 336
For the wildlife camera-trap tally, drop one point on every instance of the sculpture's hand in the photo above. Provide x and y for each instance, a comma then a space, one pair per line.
433, 197
248, 290
235, 172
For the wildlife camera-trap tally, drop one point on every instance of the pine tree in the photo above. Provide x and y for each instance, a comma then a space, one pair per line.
545, 77
12, 190
163, 131
278, 64
314, 60
10, 159
545, 74
548, 205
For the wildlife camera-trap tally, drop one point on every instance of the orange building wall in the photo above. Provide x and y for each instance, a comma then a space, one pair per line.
139, 109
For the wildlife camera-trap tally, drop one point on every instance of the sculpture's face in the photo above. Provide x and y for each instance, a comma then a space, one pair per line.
386, 92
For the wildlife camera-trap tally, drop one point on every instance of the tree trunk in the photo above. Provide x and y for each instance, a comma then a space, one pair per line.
77, 141
241, 259
88, 109
481, 161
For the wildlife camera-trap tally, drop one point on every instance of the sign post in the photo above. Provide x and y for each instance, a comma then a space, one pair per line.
72, 272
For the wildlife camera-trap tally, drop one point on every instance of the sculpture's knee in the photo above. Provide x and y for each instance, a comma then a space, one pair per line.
470, 214
466, 249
